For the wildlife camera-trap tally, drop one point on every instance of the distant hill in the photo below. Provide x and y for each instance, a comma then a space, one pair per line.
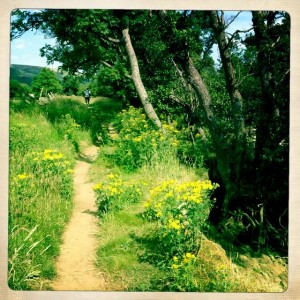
25, 74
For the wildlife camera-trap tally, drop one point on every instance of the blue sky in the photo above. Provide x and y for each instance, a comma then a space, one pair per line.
26, 49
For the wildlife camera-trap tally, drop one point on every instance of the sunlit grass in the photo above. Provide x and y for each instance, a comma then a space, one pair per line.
43, 145
44, 142
40, 198
118, 254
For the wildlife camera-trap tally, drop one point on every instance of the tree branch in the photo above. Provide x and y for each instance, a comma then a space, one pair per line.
231, 20
110, 39
235, 33
111, 66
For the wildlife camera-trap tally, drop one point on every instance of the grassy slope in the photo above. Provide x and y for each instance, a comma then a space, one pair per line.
41, 193
37, 209
124, 248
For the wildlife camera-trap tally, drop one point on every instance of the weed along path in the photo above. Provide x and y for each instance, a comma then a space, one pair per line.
75, 266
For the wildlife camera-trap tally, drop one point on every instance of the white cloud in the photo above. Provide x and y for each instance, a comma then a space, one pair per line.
20, 44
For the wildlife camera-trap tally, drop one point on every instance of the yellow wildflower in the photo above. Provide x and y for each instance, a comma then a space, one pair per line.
22, 176
175, 224
159, 214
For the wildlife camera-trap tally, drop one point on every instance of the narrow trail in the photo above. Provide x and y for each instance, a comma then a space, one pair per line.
75, 266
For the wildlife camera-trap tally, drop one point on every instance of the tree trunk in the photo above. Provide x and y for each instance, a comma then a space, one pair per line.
223, 162
267, 106
136, 77
218, 25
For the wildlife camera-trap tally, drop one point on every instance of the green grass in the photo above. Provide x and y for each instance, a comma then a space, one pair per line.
42, 157
40, 199
44, 143
129, 252
128, 249
119, 252
93, 118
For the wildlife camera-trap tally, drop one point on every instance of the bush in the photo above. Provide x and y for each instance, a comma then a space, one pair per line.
47, 81
69, 129
18, 90
139, 142
181, 210
93, 120
115, 194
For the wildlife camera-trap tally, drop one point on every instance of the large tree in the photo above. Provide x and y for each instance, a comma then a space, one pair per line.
85, 40
46, 82
250, 178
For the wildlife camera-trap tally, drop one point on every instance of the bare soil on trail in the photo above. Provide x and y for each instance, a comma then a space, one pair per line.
76, 269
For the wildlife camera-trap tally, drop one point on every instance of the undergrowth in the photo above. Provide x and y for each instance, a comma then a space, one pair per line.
153, 213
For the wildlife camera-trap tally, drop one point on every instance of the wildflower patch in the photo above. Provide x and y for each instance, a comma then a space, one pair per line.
115, 193
181, 209
139, 142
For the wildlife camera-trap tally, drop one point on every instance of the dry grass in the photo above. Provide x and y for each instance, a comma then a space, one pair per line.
244, 273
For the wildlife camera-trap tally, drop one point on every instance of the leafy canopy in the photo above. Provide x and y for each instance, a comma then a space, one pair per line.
47, 81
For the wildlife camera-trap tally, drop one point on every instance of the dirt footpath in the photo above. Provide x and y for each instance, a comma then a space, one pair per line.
75, 266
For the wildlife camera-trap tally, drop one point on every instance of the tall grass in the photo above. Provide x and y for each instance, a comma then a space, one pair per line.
44, 142
93, 118
42, 159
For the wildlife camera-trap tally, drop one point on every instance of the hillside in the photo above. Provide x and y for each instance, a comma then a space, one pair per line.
25, 74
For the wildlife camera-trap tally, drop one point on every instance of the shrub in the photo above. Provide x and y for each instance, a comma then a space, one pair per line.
18, 90
181, 210
47, 82
68, 129
115, 194
139, 142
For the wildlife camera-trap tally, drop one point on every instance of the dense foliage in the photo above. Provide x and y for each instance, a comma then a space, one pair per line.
18, 90
46, 82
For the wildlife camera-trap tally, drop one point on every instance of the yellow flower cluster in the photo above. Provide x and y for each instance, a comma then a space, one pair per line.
174, 224
52, 155
23, 176
170, 128
185, 191
115, 192
52, 158
115, 186
139, 140
185, 259
181, 209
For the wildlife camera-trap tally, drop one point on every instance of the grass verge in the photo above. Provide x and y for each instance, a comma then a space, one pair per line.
42, 158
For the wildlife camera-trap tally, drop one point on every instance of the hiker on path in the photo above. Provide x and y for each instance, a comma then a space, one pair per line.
87, 96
